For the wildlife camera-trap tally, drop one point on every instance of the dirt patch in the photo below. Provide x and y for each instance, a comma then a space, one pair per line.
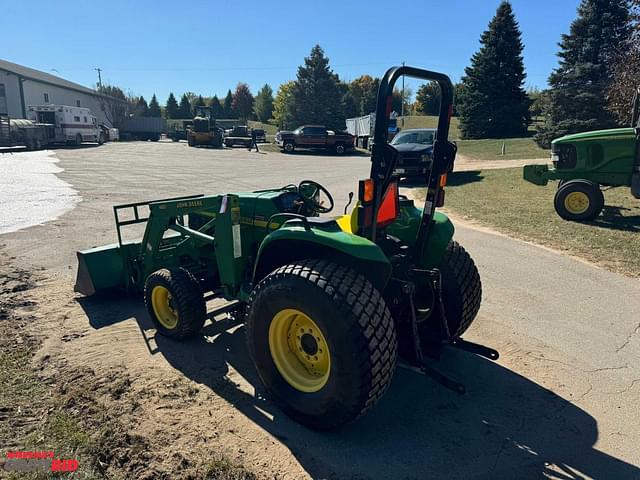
97, 414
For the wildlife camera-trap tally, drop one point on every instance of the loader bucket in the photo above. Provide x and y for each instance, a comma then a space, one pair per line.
100, 269
538, 174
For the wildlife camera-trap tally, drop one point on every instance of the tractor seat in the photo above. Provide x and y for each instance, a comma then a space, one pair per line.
349, 222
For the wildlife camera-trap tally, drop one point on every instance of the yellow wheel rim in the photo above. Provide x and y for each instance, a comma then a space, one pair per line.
162, 304
577, 202
299, 350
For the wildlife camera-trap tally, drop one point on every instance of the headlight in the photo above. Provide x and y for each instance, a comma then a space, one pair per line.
555, 157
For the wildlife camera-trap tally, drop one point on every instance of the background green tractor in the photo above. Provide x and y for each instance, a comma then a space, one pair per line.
584, 162
328, 303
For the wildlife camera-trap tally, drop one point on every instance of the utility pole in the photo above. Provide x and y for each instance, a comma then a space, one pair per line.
402, 99
99, 70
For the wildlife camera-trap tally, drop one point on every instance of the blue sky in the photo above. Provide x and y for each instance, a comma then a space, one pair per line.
207, 47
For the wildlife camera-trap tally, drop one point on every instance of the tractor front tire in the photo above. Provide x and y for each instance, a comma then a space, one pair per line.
579, 200
175, 303
323, 342
461, 295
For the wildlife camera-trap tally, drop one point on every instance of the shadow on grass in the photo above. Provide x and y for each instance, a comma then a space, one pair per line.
613, 219
505, 427
457, 179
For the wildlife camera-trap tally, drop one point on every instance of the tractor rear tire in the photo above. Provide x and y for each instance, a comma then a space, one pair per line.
175, 303
461, 294
579, 200
346, 329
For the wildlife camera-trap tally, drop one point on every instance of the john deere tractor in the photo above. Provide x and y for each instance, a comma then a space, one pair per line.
203, 130
584, 162
328, 302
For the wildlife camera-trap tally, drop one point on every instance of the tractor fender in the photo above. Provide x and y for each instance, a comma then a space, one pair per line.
440, 235
292, 243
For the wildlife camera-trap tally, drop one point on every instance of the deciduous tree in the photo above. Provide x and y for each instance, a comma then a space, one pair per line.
242, 102
264, 103
283, 106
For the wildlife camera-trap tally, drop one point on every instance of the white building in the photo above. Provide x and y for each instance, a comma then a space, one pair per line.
22, 86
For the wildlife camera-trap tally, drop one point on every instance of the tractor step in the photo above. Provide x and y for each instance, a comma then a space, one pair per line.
476, 348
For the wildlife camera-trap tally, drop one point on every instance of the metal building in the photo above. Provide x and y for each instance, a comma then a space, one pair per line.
23, 86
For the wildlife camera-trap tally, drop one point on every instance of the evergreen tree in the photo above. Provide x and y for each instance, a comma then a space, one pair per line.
216, 107
197, 102
228, 105
493, 101
283, 106
142, 109
318, 93
185, 108
242, 102
428, 99
626, 71
577, 99
264, 104
154, 107
171, 108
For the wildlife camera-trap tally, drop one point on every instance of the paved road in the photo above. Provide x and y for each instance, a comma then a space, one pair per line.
561, 401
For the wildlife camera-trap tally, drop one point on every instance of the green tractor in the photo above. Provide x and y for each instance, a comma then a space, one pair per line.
583, 162
328, 303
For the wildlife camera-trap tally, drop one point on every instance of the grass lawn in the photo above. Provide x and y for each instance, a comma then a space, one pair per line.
502, 200
487, 149
490, 149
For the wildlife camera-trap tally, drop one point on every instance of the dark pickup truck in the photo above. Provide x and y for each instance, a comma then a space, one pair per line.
315, 136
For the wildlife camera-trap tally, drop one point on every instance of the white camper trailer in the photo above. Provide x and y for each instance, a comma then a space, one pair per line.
72, 125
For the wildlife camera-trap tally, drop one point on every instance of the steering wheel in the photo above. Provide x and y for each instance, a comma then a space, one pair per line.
311, 193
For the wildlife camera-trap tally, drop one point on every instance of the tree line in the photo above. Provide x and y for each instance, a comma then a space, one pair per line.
599, 68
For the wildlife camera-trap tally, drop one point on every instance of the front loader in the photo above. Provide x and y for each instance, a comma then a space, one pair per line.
329, 303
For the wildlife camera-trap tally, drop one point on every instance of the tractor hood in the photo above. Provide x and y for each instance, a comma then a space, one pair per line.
611, 134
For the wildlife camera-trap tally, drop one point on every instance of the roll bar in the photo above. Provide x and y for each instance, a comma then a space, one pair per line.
384, 156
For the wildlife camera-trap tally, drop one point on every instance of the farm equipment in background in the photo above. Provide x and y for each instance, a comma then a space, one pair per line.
143, 128
583, 162
328, 303
178, 129
21, 132
203, 130
238, 135
363, 128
